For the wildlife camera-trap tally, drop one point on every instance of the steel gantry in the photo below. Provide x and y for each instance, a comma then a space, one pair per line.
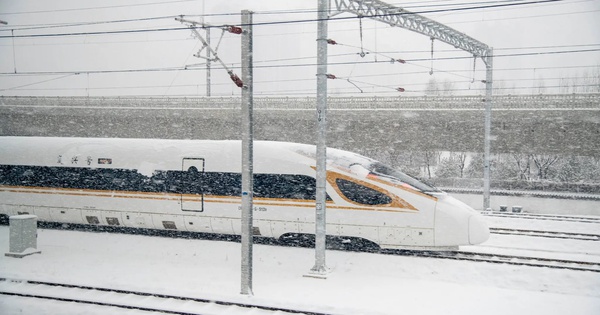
399, 17
396, 16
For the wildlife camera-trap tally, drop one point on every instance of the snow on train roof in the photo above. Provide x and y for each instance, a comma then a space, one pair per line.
147, 155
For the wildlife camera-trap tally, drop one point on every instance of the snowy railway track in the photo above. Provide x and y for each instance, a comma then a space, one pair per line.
132, 300
548, 234
501, 259
542, 217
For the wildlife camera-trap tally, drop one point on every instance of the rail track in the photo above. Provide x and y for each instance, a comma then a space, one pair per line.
132, 300
501, 259
548, 234
343, 244
542, 217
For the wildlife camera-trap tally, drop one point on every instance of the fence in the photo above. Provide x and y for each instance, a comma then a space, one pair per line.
590, 101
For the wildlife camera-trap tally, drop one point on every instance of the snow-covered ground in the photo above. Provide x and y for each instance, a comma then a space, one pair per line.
359, 283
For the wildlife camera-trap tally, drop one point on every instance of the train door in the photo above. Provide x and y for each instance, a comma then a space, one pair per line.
192, 192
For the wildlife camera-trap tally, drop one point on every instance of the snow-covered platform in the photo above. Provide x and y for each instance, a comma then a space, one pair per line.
359, 283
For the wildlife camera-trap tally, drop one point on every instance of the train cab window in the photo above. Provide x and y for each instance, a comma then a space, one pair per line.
361, 194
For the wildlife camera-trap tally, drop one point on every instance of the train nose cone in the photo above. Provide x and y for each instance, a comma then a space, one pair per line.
479, 231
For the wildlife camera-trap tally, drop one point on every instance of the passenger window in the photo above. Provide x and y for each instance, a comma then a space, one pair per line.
361, 194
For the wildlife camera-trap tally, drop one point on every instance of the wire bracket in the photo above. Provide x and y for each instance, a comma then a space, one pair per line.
193, 25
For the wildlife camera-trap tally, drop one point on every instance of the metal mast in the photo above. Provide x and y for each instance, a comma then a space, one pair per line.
399, 17
320, 269
208, 62
247, 154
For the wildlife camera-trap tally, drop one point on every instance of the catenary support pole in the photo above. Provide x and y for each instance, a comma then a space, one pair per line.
320, 269
208, 62
487, 126
247, 154
207, 51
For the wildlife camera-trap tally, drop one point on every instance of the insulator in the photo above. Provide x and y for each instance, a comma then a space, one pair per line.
236, 80
330, 76
401, 60
331, 42
234, 29
400, 89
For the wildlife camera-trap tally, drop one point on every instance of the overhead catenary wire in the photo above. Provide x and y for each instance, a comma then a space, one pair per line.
272, 22
408, 5
38, 82
258, 82
97, 8
309, 65
413, 62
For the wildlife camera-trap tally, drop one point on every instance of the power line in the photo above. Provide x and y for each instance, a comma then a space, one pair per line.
46, 26
98, 8
306, 65
39, 82
277, 22
98, 32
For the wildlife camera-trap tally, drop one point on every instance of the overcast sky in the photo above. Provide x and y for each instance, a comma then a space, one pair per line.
538, 47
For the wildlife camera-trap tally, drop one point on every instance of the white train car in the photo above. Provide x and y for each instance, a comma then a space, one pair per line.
195, 185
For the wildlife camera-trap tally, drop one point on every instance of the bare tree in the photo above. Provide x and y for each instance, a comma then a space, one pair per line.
461, 162
596, 80
543, 163
563, 85
430, 159
575, 85
452, 166
432, 87
523, 162
448, 87
540, 87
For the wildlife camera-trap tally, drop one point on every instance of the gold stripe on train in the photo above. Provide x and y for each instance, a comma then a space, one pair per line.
280, 202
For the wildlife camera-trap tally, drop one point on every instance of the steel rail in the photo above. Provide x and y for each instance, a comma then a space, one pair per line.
54, 295
500, 259
528, 216
548, 234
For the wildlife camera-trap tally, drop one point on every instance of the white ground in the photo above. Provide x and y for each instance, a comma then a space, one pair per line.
359, 283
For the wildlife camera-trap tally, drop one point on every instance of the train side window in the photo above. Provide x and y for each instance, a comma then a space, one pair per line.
361, 194
169, 225
112, 221
222, 184
286, 186
92, 220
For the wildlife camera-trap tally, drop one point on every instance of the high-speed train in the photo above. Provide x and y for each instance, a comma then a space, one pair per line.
195, 185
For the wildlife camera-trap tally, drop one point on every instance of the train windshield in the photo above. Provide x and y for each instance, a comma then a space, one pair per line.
383, 171
365, 166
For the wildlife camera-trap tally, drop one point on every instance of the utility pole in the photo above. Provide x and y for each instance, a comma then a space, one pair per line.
12, 32
208, 62
207, 51
487, 129
247, 154
247, 132
320, 269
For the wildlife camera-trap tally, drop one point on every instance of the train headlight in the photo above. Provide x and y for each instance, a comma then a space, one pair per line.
479, 231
